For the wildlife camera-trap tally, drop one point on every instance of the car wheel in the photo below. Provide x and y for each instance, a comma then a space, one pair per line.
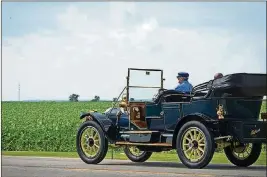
135, 155
91, 143
195, 145
243, 155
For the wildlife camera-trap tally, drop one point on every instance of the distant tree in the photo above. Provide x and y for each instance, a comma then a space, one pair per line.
114, 99
131, 99
97, 98
74, 97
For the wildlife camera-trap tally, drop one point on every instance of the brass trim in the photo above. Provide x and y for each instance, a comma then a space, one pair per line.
220, 111
264, 116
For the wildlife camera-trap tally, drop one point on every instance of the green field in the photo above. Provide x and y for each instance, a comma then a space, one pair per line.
48, 126
43, 126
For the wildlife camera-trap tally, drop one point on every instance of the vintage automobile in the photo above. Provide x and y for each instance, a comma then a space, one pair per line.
219, 114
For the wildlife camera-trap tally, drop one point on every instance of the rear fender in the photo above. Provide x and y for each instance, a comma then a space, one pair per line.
105, 123
195, 116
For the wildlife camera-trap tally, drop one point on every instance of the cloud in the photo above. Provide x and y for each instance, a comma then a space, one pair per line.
90, 50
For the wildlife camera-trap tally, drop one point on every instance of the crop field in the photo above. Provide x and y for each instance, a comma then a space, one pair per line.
44, 126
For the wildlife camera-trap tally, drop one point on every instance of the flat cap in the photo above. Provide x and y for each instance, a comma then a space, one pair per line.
183, 74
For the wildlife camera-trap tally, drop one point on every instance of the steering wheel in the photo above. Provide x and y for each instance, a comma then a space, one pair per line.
161, 90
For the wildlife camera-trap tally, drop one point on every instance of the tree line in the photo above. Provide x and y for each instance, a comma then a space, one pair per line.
75, 98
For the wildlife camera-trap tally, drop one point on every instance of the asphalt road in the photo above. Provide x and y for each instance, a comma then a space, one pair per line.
73, 167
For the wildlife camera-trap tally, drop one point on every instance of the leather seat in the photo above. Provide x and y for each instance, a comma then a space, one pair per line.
175, 96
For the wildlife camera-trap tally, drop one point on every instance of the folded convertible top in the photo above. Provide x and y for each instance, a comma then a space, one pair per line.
245, 84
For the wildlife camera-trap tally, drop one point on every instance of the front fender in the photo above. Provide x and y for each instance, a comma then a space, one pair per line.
105, 123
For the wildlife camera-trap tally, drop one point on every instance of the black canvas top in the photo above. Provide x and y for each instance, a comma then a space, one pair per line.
245, 84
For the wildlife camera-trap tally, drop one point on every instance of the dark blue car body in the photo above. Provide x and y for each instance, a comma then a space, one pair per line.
173, 112
169, 108
226, 112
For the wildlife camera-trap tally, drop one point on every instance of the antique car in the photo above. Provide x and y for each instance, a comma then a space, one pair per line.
224, 113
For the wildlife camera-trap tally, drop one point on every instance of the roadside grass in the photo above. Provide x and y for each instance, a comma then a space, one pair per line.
218, 158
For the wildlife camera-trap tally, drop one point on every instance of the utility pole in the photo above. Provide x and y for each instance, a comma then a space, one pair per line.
19, 92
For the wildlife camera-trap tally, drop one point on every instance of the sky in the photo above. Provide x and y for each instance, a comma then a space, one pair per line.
54, 49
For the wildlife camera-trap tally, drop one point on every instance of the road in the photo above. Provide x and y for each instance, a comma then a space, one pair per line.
74, 167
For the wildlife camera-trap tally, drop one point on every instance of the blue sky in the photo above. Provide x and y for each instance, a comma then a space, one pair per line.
243, 16
44, 41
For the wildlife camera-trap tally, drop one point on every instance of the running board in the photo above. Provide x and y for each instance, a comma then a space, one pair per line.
143, 144
138, 132
141, 136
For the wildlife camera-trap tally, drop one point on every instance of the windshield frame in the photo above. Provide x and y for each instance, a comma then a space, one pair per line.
128, 86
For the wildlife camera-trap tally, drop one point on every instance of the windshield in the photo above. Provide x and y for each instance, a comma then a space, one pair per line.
140, 83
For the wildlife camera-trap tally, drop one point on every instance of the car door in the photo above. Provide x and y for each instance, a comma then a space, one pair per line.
171, 112
154, 118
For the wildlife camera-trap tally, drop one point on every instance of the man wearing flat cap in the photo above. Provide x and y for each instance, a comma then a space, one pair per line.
184, 85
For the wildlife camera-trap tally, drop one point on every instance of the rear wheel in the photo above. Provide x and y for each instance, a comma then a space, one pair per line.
91, 143
135, 155
243, 155
195, 145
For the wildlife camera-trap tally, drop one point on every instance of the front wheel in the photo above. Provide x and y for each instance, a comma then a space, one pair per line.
195, 145
91, 143
135, 155
243, 155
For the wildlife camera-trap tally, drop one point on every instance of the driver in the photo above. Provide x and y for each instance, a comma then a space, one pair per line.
184, 85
